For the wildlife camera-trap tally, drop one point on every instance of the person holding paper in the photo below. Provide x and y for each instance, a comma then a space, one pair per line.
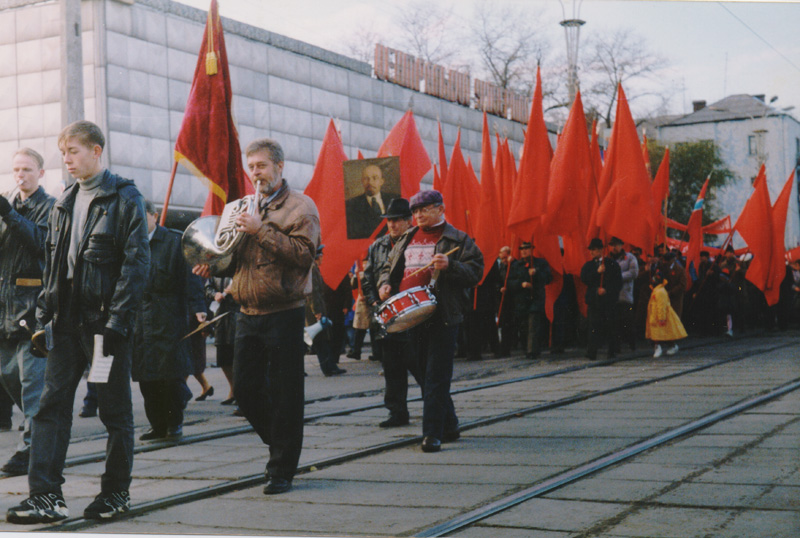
95, 272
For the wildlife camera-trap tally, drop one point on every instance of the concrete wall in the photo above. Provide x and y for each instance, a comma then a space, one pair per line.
138, 72
732, 138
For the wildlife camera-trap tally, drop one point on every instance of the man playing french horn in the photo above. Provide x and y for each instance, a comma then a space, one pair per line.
271, 268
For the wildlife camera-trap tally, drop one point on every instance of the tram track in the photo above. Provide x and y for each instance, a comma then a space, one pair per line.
245, 429
257, 479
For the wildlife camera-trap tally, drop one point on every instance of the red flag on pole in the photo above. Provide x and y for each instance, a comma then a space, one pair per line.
530, 193
487, 235
695, 230
403, 141
326, 188
461, 192
208, 144
755, 226
778, 263
660, 190
627, 210
442, 161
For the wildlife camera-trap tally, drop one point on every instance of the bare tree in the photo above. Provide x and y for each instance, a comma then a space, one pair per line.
620, 57
510, 45
428, 31
360, 44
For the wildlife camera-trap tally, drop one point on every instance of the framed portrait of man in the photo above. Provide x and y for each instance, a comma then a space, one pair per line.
369, 186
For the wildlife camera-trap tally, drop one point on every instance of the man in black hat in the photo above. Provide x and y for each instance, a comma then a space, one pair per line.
529, 275
392, 349
603, 281
437, 255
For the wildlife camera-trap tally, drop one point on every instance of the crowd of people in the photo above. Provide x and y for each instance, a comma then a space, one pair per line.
92, 275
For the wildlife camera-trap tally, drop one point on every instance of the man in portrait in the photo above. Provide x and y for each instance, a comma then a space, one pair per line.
364, 211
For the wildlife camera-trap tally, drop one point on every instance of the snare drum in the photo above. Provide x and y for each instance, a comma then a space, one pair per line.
406, 309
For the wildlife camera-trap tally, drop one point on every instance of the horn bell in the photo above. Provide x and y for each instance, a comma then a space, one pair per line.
199, 247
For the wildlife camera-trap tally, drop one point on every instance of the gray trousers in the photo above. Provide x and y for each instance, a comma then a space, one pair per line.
51, 426
22, 375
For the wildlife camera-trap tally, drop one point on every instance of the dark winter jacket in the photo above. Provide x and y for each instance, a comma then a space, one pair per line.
452, 287
112, 261
527, 300
23, 232
170, 297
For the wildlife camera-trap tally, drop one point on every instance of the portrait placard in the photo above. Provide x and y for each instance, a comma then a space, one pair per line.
369, 186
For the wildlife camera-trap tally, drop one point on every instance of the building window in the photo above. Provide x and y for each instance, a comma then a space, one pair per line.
752, 145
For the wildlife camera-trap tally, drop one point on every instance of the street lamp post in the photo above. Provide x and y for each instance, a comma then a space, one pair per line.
572, 30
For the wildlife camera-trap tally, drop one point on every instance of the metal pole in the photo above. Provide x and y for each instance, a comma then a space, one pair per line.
71, 66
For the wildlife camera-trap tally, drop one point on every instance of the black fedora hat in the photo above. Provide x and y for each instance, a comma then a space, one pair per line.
398, 209
595, 243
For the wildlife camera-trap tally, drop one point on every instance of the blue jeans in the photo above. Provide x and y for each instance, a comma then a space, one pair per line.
22, 375
435, 345
268, 383
50, 431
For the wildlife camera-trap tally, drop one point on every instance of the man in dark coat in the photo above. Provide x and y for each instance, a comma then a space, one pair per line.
23, 229
506, 316
94, 277
529, 276
161, 359
434, 254
603, 281
397, 360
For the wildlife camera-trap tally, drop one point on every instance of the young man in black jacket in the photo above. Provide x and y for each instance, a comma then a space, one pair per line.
95, 271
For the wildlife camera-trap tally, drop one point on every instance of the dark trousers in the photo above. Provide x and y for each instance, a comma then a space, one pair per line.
509, 333
481, 329
397, 363
533, 347
50, 429
435, 345
163, 403
323, 348
622, 328
599, 317
268, 383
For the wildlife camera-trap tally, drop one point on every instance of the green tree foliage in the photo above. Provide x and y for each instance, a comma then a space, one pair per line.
690, 164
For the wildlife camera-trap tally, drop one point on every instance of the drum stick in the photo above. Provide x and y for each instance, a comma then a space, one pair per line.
431, 263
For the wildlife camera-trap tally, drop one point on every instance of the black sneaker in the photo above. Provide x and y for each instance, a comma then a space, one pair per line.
108, 505
17, 465
41, 508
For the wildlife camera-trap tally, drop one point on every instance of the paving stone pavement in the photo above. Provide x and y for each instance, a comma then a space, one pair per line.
740, 477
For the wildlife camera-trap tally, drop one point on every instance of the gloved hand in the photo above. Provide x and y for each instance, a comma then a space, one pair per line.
5, 207
113, 342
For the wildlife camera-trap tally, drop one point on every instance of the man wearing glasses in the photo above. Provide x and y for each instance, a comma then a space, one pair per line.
456, 264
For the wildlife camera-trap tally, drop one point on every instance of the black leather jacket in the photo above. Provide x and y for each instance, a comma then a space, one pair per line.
377, 256
113, 259
465, 270
22, 239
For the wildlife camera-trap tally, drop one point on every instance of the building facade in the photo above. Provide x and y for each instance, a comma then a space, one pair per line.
749, 132
138, 62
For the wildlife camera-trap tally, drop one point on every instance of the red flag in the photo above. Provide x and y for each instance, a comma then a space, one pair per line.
778, 263
646, 155
489, 217
403, 141
208, 144
326, 188
442, 161
627, 210
530, 193
572, 180
437, 180
660, 190
695, 229
755, 226
461, 196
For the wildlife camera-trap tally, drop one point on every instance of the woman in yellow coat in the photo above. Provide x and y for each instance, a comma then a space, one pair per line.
663, 324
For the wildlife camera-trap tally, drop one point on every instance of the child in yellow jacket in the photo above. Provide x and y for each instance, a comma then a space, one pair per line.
663, 324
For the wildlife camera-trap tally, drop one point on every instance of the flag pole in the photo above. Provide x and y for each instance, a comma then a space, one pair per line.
169, 193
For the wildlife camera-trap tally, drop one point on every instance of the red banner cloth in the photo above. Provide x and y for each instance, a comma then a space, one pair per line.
208, 143
489, 218
404, 141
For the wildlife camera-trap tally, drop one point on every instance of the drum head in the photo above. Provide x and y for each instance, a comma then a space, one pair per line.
411, 317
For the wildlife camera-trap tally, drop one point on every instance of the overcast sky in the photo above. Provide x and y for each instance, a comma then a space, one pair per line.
715, 48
